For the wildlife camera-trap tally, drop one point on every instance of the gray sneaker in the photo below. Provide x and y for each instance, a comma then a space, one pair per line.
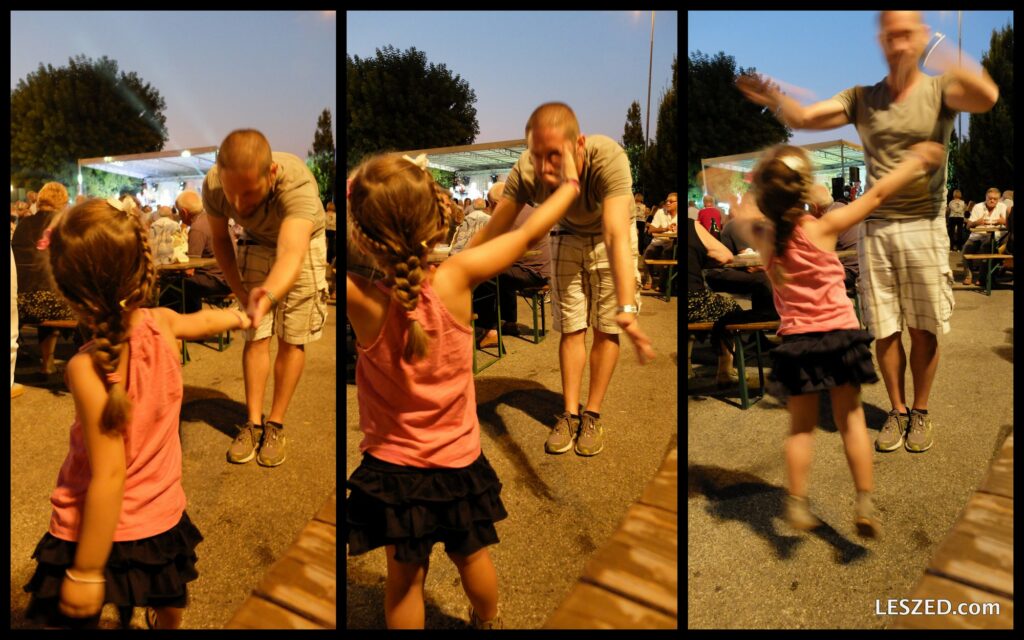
919, 437
890, 437
590, 439
798, 514
272, 445
562, 434
243, 449
477, 623
866, 518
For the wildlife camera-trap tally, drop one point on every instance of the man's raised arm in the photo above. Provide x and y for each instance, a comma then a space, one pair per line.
827, 114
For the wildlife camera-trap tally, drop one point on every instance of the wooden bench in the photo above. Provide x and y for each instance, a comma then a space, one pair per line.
974, 564
535, 296
737, 330
221, 301
671, 264
990, 268
299, 591
632, 581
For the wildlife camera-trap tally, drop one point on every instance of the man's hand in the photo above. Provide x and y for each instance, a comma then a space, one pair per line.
258, 305
569, 170
642, 344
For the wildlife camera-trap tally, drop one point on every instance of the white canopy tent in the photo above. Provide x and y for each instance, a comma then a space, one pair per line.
170, 172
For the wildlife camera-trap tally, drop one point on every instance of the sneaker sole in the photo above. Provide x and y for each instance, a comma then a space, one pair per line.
918, 450
592, 453
892, 448
248, 458
550, 450
267, 464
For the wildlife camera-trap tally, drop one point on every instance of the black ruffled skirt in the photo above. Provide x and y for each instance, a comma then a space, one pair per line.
414, 508
151, 572
810, 362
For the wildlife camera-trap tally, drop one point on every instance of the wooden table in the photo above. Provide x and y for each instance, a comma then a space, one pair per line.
632, 581
669, 263
300, 590
745, 260
193, 263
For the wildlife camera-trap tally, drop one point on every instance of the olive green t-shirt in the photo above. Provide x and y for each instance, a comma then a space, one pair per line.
605, 174
888, 129
294, 193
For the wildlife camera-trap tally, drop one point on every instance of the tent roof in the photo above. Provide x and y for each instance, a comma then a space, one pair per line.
831, 156
488, 156
159, 165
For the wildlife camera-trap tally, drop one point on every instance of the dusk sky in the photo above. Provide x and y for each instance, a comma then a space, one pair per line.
217, 71
824, 51
596, 62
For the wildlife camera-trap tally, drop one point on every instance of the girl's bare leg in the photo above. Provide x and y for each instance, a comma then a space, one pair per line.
849, 416
480, 581
403, 593
803, 414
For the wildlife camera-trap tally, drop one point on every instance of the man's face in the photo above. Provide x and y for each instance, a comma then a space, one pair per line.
545, 145
903, 38
991, 200
247, 189
671, 204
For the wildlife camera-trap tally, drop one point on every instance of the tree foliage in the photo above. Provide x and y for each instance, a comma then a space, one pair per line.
84, 110
396, 101
986, 158
321, 159
659, 173
720, 121
633, 143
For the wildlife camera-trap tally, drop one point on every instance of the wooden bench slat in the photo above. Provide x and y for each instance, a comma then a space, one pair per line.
642, 576
60, 324
985, 256
329, 512
317, 544
662, 490
979, 548
302, 587
590, 607
651, 529
258, 613
999, 480
665, 263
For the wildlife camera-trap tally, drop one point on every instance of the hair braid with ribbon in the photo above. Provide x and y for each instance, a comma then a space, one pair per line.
781, 182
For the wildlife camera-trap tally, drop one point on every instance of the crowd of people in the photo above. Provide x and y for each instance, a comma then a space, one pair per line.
119, 532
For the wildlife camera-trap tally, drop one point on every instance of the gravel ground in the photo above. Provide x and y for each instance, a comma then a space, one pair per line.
249, 515
747, 570
561, 508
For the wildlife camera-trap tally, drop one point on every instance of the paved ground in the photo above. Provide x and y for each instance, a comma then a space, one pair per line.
249, 515
747, 570
561, 508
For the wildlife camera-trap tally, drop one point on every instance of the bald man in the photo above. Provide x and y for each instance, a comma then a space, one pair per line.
905, 278
206, 282
594, 255
278, 276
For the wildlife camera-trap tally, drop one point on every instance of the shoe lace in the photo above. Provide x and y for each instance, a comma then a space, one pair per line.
587, 427
916, 423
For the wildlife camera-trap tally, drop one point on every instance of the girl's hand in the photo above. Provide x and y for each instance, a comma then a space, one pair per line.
81, 600
931, 154
245, 321
758, 90
569, 170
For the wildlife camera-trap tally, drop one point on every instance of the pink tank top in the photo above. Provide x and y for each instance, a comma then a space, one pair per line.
421, 414
813, 298
153, 496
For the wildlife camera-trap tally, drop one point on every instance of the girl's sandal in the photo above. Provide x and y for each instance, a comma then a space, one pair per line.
151, 618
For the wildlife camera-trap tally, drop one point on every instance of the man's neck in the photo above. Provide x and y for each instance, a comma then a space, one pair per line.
895, 90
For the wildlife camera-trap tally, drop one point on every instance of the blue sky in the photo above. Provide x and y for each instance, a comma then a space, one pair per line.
597, 62
824, 51
217, 71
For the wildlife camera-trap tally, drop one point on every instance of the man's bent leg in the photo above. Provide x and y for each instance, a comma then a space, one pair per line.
291, 358
604, 354
924, 362
255, 369
572, 357
892, 360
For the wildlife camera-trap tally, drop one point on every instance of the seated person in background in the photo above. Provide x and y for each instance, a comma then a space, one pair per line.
665, 221
709, 212
161, 236
473, 222
38, 298
528, 272
200, 283
821, 202
752, 281
990, 212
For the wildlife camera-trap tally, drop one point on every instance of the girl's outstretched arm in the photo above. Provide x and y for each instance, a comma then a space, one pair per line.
208, 322
923, 156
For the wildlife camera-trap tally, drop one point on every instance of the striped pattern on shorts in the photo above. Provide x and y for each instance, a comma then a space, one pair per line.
905, 276
582, 289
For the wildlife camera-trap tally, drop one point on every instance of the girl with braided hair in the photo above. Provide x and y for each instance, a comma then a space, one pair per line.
118, 531
423, 478
823, 346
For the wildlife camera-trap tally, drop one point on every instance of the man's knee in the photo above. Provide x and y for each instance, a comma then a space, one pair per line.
604, 336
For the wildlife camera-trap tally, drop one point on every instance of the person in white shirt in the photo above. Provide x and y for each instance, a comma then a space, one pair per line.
664, 221
691, 210
955, 221
990, 212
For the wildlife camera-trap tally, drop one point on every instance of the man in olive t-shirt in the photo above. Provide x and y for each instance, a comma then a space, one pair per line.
594, 275
903, 250
278, 275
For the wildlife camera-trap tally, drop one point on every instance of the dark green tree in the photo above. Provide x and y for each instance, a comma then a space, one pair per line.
84, 110
321, 158
397, 101
986, 158
633, 143
720, 121
660, 174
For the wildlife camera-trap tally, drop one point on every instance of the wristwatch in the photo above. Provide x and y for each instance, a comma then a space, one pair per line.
629, 308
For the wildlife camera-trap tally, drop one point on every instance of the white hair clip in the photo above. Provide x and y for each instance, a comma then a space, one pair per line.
795, 163
117, 204
420, 160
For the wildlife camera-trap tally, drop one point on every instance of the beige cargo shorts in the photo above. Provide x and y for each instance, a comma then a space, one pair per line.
301, 314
